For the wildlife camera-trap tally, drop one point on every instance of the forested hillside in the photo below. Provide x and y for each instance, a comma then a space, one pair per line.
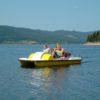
94, 37
10, 34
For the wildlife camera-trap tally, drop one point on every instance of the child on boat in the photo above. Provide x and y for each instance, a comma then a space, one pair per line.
59, 52
46, 49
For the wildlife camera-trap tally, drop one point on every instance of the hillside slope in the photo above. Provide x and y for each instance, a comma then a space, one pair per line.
9, 34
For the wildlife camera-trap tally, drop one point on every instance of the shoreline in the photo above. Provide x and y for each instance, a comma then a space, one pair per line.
92, 43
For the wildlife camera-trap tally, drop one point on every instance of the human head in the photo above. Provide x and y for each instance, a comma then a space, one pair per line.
58, 45
45, 46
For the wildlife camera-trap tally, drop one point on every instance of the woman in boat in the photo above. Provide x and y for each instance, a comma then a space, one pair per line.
59, 52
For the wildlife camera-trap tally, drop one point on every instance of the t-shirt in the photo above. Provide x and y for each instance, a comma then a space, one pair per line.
59, 53
46, 50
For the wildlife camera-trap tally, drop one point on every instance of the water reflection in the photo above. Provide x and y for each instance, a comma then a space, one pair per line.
47, 80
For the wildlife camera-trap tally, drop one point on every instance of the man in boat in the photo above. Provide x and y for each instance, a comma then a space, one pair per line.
59, 52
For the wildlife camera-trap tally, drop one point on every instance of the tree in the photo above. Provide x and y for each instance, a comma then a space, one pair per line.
94, 37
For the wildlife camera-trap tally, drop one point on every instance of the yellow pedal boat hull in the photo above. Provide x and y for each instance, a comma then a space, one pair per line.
25, 62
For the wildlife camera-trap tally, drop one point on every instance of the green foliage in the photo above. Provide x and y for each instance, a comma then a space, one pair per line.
10, 34
94, 37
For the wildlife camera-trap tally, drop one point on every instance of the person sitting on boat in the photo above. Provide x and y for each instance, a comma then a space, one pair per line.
46, 49
59, 52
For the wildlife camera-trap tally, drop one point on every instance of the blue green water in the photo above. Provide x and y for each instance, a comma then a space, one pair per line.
74, 82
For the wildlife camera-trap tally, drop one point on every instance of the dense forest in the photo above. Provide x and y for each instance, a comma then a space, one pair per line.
94, 37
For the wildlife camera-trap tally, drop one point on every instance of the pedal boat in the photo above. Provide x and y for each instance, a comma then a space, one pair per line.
29, 63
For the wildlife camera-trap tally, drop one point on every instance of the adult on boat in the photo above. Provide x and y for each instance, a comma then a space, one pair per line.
59, 52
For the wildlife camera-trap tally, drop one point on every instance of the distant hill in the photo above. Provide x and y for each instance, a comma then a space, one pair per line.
9, 34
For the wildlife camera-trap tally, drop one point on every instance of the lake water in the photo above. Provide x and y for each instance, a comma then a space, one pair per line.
74, 82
